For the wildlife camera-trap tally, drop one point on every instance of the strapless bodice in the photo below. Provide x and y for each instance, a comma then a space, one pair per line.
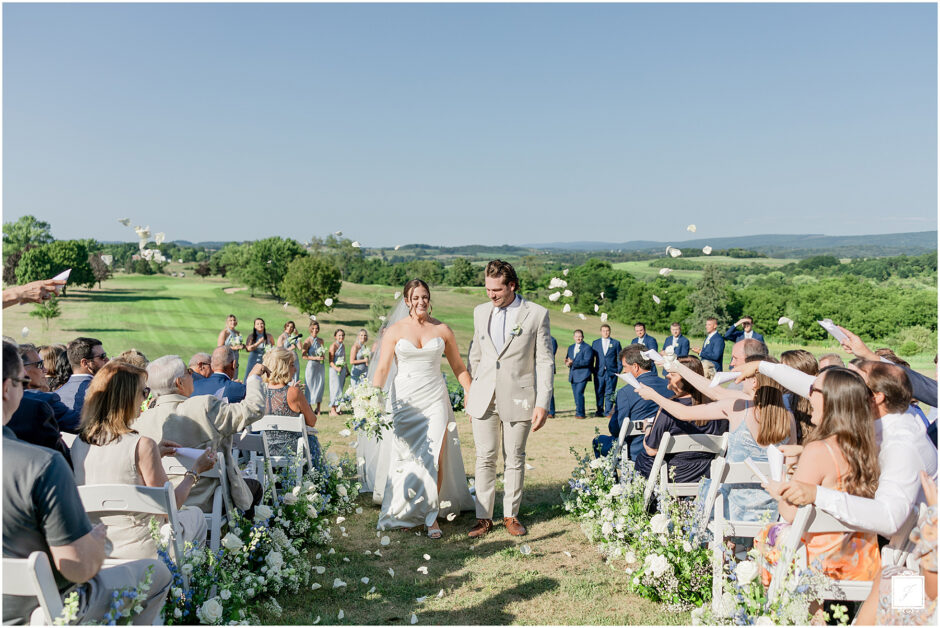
423, 361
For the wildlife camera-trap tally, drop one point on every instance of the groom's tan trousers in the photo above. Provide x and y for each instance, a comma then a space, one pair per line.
489, 434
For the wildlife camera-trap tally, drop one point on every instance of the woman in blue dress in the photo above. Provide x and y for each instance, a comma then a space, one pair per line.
360, 357
258, 341
315, 354
290, 340
229, 337
338, 370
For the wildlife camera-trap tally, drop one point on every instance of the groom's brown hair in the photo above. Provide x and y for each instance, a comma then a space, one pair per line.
499, 268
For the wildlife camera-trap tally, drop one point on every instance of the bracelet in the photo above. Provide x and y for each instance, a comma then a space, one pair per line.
194, 476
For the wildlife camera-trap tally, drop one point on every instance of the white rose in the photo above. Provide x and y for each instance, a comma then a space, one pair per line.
607, 529
763, 620
616, 490
630, 557
177, 613
659, 524
295, 491
746, 571
231, 542
289, 499
311, 512
341, 490
263, 513
597, 463
274, 560
225, 594
212, 610
176, 592
686, 546
187, 569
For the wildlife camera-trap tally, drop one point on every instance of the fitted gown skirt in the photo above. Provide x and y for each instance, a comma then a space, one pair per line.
313, 379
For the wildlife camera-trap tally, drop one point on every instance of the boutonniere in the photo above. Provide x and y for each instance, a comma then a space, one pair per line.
517, 330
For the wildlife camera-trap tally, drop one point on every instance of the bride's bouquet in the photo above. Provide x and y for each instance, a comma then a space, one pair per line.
368, 410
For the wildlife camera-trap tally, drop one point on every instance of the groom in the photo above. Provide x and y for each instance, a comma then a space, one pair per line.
511, 362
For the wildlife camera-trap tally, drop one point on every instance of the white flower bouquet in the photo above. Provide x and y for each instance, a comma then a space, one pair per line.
368, 410
320, 351
340, 362
365, 352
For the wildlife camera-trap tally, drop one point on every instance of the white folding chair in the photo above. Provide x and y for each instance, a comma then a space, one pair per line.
809, 520
32, 577
253, 445
294, 424
68, 438
102, 499
627, 429
221, 498
670, 444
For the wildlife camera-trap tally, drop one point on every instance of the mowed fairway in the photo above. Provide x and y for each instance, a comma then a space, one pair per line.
646, 269
486, 581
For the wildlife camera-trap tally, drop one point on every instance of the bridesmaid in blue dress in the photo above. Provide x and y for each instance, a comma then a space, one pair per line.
230, 337
338, 370
313, 377
290, 340
258, 341
360, 360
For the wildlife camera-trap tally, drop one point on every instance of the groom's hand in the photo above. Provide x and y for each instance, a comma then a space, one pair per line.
539, 415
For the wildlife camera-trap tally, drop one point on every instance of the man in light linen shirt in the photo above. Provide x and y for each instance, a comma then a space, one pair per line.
903, 451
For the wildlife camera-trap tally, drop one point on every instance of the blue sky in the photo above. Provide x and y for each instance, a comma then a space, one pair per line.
459, 124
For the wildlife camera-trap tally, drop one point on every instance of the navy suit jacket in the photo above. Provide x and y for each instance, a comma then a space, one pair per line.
34, 422
925, 388
734, 334
607, 363
219, 385
629, 404
554, 351
72, 392
583, 363
648, 341
682, 345
714, 350
66, 418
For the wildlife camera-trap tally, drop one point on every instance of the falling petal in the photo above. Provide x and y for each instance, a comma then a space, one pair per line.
345, 433
691, 228
358, 510
528, 467
286, 304
371, 591
397, 246
656, 299
427, 557
377, 553
420, 600
328, 302
452, 516
337, 233
315, 586
451, 426
567, 308
391, 572
422, 569
345, 559
565, 272
445, 504
440, 593
125, 221
568, 554
385, 541
313, 317
368, 553
270, 261
317, 620
414, 618
411, 493
159, 238
665, 271
25, 331
320, 570
337, 583
382, 318
332, 551
675, 252
567, 293
419, 500
341, 614
364, 580
582, 316
339, 520
596, 307
318, 556
397, 294
356, 244
554, 296
603, 317
602, 295
360, 461
526, 550
707, 250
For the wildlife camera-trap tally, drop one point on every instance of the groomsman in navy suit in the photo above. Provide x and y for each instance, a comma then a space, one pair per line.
646, 340
580, 362
747, 331
608, 365
713, 349
680, 342
551, 405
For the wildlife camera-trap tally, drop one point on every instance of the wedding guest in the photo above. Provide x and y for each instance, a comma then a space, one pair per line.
580, 362
879, 608
337, 370
677, 340
135, 358
887, 354
743, 349
201, 365
43, 512
37, 420
282, 399
38, 388
257, 342
229, 337
314, 351
902, 453
551, 404
220, 383
754, 424
290, 340
830, 359
58, 369
607, 352
688, 466
32, 292
629, 406
801, 407
110, 451
840, 456
202, 422
746, 332
360, 357
713, 349
87, 356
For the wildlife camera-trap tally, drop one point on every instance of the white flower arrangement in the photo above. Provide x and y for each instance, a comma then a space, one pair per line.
320, 351
366, 353
368, 410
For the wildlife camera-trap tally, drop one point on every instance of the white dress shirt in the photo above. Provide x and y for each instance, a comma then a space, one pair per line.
577, 347
708, 337
605, 344
502, 321
748, 335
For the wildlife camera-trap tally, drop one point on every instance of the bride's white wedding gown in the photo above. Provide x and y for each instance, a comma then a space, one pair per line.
424, 431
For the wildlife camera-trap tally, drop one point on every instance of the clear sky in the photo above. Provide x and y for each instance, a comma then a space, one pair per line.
459, 124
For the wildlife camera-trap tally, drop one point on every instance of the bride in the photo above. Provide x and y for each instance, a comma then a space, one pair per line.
426, 477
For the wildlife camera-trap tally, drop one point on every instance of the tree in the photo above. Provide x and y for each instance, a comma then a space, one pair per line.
311, 280
99, 269
203, 269
711, 298
11, 262
463, 273
48, 260
26, 230
47, 311
268, 260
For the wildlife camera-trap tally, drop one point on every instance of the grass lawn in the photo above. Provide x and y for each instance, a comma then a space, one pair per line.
642, 270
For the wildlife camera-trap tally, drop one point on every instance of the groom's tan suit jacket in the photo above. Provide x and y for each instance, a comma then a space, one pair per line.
519, 376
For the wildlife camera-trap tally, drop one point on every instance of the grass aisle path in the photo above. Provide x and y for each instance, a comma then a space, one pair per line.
485, 581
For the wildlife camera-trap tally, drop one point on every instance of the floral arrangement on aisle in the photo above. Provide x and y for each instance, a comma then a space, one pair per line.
665, 554
368, 410
260, 558
125, 605
744, 599
456, 395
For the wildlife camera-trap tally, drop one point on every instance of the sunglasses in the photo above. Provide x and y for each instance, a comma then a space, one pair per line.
145, 391
38, 364
100, 356
813, 389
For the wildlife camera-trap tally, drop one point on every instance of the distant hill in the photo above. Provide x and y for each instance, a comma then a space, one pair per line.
777, 245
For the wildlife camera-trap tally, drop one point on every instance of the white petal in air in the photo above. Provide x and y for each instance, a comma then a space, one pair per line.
316, 621
337, 233
356, 244
597, 307
567, 553
397, 294
125, 221
313, 317
345, 433
707, 250
567, 293
528, 467
315, 586
452, 426
582, 316
411, 493
567, 308
665, 271
452, 516
565, 272
339, 520
554, 296
159, 238
385, 541
328, 302
603, 317
675, 252
340, 614
397, 246
286, 304
423, 569
602, 295
427, 557
656, 299
440, 593
445, 504
371, 591
526, 550
690, 228
337, 583
391, 572
420, 600
364, 580
785, 320
414, 618
25, 331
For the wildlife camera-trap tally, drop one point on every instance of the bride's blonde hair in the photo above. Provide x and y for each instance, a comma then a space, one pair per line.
409, 288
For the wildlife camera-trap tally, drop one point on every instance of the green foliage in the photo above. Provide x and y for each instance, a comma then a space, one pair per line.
47, 311
463, 273
99, 269
909, 348
268, 260
309, 281
377, 314
26, 230
711, 298
48, 260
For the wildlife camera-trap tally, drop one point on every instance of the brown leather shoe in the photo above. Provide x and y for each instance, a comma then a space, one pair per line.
578, 417
482, 527
513, 526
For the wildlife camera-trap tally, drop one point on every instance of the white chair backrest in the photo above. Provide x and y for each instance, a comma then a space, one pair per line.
68, 439
724, 472
673, 444
32, 576
293, 424
248, 442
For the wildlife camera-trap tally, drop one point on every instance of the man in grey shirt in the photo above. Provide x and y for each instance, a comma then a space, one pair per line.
43, 512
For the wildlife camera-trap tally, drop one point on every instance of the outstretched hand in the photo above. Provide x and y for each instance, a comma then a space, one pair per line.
856, 346
746, 370
646, 392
